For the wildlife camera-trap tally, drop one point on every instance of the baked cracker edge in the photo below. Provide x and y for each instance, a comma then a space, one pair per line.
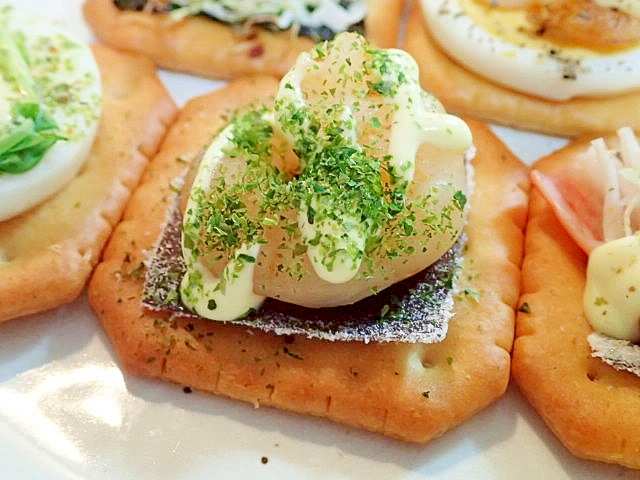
593, 409
413, 392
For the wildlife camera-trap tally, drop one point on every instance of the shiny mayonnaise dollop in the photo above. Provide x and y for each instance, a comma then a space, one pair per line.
65, 82
334, 242
611, 299
612, 292
497, 43
231, 295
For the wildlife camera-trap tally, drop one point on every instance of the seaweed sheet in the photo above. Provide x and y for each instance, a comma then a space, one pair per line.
417, 309
620, 354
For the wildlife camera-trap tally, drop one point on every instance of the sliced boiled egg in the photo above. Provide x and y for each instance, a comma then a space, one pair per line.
500, 44
65, 83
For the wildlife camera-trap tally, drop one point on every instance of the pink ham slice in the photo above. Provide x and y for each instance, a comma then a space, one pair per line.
577, 205
590, 197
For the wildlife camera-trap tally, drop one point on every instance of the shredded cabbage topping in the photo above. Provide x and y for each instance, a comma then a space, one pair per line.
335, 14
314, 15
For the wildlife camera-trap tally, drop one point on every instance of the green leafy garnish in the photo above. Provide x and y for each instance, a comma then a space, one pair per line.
32, 130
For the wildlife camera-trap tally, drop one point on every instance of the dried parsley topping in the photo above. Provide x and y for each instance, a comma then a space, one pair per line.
222, 220
347, 197
524, 308
339, 183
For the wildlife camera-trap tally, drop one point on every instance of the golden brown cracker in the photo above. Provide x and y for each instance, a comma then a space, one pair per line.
465, 93
592, 408
413, 392
48, 252
204, 47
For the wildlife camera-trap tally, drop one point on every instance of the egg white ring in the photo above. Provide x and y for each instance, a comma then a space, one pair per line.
565, 74
79, 122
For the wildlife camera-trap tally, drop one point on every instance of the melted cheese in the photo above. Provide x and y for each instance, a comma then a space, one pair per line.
496, 44
70, 81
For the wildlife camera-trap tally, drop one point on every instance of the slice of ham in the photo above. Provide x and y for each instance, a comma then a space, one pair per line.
594, 198
577, 205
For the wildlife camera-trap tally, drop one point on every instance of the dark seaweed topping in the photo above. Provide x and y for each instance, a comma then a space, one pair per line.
130, 4
414, 310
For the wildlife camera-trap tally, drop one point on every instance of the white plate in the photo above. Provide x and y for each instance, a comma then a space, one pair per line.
68, 412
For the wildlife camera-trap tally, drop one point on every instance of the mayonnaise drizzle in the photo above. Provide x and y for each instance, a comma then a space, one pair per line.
349, 235
225, 298
417, 118
612, 292
420, 118
230, 296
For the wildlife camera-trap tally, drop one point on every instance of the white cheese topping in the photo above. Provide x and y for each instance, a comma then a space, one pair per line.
65, 73
496, 44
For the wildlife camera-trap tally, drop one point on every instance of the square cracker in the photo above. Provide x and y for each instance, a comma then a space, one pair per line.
593, 409
413, 392
465, 93
48, 252
208, 48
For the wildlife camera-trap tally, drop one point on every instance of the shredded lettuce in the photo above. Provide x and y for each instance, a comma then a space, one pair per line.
338, 15
31, 130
